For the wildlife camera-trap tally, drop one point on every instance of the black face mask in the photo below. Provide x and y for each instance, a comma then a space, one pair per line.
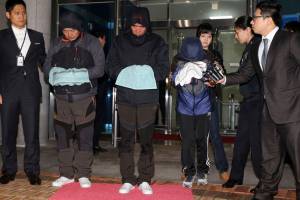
137, 40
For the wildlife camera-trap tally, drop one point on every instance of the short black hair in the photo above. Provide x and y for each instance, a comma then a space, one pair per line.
243, 22
292, 26
10, 4
270, 9
204, 28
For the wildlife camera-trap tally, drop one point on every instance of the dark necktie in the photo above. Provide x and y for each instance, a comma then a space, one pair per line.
265, 53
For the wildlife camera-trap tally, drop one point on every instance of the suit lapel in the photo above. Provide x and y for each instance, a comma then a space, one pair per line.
272, 50
255, 59
30, 50
255, 62
12, 40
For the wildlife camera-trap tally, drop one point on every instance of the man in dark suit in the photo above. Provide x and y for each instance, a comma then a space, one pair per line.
21, 51
276, 60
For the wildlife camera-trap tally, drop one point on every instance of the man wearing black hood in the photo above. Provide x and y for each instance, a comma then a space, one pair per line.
74, 62
138, 59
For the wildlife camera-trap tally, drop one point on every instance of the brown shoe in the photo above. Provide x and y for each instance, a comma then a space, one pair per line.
224, 176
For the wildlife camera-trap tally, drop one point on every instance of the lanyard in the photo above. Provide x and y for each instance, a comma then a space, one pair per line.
20, 53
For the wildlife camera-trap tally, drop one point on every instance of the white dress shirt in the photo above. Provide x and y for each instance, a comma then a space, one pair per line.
20, 34
270, 37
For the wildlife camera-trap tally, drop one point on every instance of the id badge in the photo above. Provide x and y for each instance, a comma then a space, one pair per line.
20, 61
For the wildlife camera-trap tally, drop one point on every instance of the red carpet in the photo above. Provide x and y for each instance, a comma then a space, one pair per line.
103, 191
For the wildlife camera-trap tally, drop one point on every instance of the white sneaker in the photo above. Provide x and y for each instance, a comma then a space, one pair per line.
202, 179
62, 181
84, 182
145, 188
188, 182
126, 188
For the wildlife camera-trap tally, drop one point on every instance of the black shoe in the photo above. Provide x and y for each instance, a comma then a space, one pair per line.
254, 190
102, 149
6, 178
231, 183
34, 179
98, 149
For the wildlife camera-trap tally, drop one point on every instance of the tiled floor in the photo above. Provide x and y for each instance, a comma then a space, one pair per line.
216, 192
20, 189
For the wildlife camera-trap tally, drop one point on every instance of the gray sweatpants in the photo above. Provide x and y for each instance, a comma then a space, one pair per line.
73, 124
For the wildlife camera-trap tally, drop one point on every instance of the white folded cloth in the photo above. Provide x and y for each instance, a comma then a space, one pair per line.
189, 71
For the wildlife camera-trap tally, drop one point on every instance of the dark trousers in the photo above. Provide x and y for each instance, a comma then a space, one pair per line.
216, 140
162, 102
145, 162
248, 140
194, 131
138, 119
74, 128
20, 102
277, 140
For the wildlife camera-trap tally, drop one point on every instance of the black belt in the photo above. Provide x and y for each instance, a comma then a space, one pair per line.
73, 97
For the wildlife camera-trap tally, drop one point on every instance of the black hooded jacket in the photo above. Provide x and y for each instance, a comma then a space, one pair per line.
127, 49
84, 52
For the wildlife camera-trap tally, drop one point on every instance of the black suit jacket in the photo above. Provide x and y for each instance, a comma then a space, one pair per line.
10, 74
280, 81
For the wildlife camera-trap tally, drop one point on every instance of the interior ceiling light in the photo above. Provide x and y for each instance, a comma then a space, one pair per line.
187, 1
187, 23
180, 24
184, 23
221, 17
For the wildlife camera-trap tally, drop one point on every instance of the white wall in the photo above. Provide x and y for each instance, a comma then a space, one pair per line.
2, 14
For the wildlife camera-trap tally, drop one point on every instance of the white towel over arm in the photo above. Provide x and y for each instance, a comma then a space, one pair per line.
189, 71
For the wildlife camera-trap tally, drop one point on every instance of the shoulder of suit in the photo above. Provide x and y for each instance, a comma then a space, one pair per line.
4, 31
290, 34
34, 32
294, 38
286, 36
283, 34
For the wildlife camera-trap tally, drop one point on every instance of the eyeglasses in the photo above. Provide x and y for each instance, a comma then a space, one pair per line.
138, 25
259, 16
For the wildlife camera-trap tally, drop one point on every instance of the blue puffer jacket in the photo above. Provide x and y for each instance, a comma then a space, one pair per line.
193, 99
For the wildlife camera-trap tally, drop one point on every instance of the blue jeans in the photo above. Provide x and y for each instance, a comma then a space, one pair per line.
216, 140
